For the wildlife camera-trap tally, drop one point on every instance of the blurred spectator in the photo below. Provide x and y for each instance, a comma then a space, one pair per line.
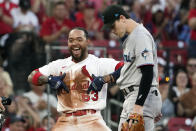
70, 6
16, 124
173, 7
185, 4
158, 25
56, 27
23, 50
187, 103
101, 4
4, 75
28, 113
81, 5
5, 84
39, 100
6, 20
135, 13
39, 7
167, 106
192, 24
2, 87
91, 22
179, 87
44, 124
161, 68
11, 111
181, 27
191, 68
24, 19
180, 17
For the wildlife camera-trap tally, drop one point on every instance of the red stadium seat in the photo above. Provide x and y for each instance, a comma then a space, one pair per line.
175, 124
106, 43
178, 56
161, 53
102, 43
173, 44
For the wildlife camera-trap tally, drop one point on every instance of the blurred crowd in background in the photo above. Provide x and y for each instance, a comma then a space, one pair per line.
26, 26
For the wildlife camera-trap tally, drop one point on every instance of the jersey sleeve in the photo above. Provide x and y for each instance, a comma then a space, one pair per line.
50, 69
144, 50
107, 66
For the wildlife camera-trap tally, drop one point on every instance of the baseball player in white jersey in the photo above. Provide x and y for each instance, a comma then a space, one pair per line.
71, 78
138, 78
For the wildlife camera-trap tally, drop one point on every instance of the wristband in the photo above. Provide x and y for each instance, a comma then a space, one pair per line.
35, 78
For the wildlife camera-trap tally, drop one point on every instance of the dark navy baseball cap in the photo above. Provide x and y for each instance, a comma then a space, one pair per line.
111, 14
15, 118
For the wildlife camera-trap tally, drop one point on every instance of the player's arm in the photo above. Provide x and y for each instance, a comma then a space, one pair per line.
99, 81
37, 78
144, 87
112, 78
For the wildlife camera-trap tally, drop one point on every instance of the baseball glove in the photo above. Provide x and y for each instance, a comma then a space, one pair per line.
136, 125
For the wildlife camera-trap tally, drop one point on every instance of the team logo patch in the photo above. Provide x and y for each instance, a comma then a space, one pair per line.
145, 53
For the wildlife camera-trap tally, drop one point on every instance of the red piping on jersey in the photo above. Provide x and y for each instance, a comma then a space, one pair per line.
86, 73
120, 64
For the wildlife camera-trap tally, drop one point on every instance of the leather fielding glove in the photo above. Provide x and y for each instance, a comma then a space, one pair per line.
136, 125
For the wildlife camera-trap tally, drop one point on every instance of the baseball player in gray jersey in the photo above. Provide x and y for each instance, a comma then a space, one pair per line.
138, 78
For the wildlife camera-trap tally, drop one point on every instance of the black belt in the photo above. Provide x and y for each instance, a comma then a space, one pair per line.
129, 89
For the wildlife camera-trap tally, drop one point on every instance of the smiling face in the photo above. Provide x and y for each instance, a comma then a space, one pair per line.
77, 44
181, 79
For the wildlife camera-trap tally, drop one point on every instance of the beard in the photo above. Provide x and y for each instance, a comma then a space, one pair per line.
78, 58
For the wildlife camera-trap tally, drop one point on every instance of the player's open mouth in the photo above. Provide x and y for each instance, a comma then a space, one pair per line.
76, 50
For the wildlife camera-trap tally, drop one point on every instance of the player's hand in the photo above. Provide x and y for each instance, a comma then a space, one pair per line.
96, 84
158, 117
56, 82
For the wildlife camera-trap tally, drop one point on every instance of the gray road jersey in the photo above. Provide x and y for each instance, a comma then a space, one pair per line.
138, 49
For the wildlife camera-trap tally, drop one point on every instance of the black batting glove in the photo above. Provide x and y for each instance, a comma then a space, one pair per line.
96, 84
56, 82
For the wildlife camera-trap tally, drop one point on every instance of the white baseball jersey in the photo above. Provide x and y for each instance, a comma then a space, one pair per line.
78, 82
138, 49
